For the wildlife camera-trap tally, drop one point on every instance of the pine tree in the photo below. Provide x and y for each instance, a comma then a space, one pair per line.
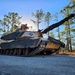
47, 19
68, 25
38, 16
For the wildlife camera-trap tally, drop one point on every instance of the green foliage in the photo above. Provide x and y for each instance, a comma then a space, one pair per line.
13, 19
38, 16
72, 5
3, 25
0, 29
9, 21
14, 27
68, 9
58, 29
62, 33
52, 34
73, 30
56, 17
47, 18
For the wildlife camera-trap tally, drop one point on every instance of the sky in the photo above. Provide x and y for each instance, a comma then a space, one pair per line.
25, 8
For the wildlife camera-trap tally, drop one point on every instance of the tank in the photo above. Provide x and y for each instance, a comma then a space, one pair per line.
29, 43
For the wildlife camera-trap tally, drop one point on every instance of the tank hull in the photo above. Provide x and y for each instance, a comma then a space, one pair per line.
29, 46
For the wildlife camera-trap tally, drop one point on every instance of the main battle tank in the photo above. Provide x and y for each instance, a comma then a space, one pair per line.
28, 43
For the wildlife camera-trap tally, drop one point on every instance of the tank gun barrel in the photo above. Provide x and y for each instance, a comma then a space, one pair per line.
58, 23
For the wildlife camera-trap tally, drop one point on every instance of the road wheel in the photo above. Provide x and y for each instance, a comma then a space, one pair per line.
19, 52
26, 51
4, 51
1, 51
7, 51
11, 51
47, 52
14, 52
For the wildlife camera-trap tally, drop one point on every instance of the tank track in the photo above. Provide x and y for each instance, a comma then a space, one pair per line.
25, 51
40, 48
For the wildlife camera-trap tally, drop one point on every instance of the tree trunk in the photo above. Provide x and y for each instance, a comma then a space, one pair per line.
38, 24
67, 45
70, 45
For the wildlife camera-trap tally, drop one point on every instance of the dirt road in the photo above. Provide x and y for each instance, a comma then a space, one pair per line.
37, 65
